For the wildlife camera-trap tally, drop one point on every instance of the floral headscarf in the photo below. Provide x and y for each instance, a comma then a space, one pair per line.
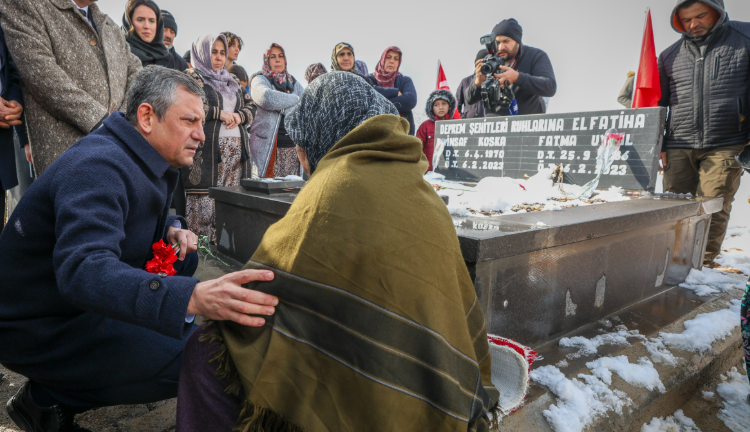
387, 79
221, 80
313, 71
283, 81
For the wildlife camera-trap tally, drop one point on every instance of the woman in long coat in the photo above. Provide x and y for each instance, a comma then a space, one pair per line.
220, 160
274, 91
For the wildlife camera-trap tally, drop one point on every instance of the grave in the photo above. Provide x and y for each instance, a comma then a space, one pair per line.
543, 274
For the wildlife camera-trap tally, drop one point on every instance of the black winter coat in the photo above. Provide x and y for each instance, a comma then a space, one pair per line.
468, 111
708, 96
535, 82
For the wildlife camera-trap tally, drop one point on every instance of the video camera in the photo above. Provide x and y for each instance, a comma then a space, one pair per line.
495, 97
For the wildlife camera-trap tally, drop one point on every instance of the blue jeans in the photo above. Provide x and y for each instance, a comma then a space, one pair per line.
162, 386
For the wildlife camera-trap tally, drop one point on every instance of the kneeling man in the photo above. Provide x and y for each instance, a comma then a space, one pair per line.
79, 314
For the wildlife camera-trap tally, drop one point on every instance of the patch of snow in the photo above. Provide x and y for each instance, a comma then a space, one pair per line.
703, 330
641, 375
708, 281
734, 391
281, 179
660, 353
562, 363
707, 395
735, 251
674, 423
590, 346
579, 403
502, 194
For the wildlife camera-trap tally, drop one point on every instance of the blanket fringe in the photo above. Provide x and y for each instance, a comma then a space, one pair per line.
225, 368
254, 418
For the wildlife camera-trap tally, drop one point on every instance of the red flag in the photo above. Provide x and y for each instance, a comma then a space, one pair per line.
647, 85
442, 84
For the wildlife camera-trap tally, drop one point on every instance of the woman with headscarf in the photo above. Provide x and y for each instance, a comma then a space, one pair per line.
397, 88
342, 58
313, 71
229, 110
144, 31
378, 325
274, 91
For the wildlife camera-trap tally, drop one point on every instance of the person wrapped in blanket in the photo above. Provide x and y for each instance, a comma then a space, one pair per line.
378, 326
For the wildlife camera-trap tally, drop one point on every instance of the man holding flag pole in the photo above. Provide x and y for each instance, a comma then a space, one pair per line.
705, 82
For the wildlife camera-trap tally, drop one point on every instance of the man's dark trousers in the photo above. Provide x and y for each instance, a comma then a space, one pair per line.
162, 386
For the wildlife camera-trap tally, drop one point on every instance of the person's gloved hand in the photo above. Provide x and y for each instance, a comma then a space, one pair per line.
744, 158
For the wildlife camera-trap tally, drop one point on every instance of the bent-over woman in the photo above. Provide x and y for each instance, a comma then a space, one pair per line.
229, 110
274, 91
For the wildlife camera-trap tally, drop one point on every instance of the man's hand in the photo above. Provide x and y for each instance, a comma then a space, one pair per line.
10, 113
509, 74
225, 299
663, 161
27, 149
188, 240
478, 73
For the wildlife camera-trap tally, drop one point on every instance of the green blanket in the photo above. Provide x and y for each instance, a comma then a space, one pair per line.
378, 325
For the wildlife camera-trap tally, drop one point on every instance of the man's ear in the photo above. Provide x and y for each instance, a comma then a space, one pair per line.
146, 118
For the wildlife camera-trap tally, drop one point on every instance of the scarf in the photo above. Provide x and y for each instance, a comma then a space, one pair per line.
335, 62
378, 325
334, 104
387, 79
313, 71
221, 80
148, 52
283, 81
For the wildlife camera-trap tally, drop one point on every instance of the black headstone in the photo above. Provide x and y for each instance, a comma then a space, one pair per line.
518, 145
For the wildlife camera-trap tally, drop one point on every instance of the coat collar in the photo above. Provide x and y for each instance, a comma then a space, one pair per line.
129, 135
94, 12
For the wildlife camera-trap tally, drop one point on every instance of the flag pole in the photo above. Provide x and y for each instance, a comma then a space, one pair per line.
638, 71
437, 75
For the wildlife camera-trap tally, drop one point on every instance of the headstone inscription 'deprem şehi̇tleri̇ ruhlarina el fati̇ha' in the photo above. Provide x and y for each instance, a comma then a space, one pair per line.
516, 145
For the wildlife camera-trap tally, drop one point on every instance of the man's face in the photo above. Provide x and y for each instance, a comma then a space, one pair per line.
392, 61
506, 47
234, 51
169, 36
698, 19
178, 135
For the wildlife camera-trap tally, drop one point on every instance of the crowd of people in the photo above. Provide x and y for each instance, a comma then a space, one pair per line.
332, 315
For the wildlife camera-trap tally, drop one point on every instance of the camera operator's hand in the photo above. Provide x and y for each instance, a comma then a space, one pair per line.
478, 73
509, 74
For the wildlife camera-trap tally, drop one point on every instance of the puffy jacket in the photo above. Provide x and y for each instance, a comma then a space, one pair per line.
708, 95
426, 132
536, 81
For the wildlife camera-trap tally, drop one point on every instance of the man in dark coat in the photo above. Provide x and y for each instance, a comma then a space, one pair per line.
11, 109
170, 32
528, 70
475, 110
705, 82
79, 314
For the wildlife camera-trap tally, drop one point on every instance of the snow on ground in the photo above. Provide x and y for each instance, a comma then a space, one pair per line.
705, 329
539, 189
579, 402
660, 353
736, 247
641, 375
734, 391
590, 346
707, 281
674, 423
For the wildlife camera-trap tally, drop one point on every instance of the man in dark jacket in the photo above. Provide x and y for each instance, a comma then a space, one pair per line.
11, 109
528, 70
170, 32
79, 314
475, 110
705, 82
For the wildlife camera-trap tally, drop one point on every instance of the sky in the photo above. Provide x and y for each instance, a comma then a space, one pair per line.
592, 43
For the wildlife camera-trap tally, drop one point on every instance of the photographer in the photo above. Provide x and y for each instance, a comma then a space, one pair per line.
528, 70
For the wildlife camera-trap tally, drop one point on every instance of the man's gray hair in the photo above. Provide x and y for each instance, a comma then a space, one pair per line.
157, 86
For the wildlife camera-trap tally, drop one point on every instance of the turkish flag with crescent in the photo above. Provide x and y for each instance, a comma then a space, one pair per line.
442, 84
647, 85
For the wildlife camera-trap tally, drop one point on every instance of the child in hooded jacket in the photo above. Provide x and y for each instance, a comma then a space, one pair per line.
441, 105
